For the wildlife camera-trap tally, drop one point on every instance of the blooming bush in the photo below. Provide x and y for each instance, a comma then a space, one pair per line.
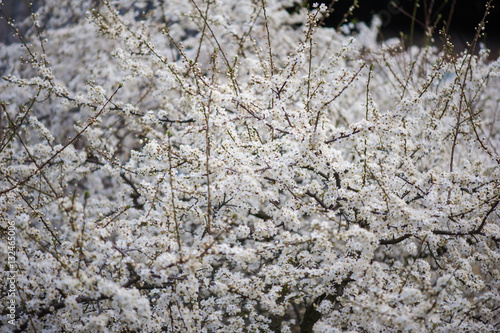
205, 166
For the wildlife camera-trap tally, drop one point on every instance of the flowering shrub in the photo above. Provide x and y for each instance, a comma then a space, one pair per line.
203, 166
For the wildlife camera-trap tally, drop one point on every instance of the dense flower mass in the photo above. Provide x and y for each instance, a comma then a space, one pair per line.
207, 166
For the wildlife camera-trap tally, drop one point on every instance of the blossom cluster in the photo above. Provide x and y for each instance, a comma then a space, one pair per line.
201, 166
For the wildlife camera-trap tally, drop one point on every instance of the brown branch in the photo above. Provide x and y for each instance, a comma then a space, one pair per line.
170, 121
321, 202
344, 135
394, 240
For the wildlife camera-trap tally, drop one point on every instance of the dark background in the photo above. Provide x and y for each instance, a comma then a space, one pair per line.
465, 17
16, 9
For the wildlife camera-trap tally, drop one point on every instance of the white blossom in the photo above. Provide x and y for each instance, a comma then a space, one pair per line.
206, 167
